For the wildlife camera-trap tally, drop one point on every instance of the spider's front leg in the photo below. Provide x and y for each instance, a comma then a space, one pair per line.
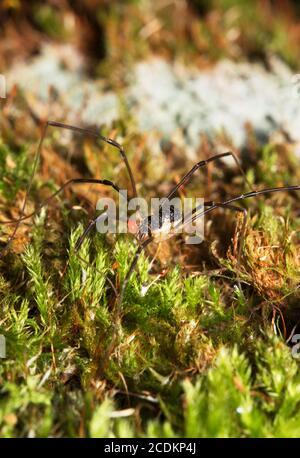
132, 266
80, 130
73, 181
187, 177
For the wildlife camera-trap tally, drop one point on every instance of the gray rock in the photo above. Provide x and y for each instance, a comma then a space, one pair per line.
174, 101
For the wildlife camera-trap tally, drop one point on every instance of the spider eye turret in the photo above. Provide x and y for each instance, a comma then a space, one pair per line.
132, 226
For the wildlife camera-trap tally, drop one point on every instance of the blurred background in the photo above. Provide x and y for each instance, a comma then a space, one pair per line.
161, 59
189, 74
120, 32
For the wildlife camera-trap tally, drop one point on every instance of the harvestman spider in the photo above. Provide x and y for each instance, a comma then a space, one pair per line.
148, 230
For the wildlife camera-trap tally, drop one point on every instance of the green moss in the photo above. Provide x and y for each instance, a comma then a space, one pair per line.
188, 354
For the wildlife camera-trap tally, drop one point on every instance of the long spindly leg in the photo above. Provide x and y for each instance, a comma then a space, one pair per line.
94, 133
228, 204
80, 130
64, 186
88, 229
120, 296
139, 250
132, 266
134, 261
117, 312
204, 163
81, 239
212, 205
46, 201
85, 233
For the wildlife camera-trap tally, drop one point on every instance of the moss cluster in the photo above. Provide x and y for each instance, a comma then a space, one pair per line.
188, 354
183, 348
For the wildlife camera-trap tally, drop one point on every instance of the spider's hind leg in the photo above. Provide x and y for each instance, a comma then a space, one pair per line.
187, 177
84, 131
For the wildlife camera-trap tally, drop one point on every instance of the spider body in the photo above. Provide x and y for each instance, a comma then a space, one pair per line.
160, 225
